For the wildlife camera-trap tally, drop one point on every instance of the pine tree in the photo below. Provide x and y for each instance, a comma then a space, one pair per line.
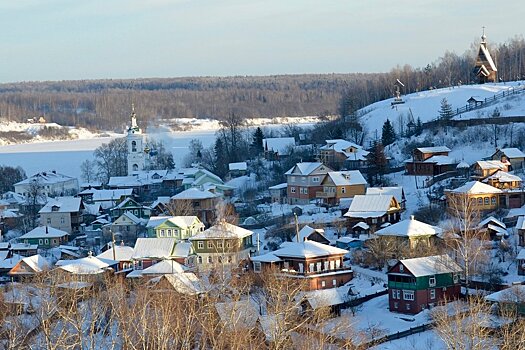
257, 143
378, 164
445, 112
389, 135
221, 161
419, 127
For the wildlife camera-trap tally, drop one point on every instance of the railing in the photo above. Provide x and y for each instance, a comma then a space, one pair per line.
401, 285
309, 273
322, 194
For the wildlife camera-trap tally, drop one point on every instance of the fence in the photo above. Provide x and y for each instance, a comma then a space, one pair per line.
359, 301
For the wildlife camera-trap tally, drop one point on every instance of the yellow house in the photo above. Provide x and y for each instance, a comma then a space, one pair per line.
479, 197
341, 184
484, 168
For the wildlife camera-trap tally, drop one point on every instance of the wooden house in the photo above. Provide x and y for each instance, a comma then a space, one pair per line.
485, 168
411, 233
485, 69
420, 283
45, 236
396, 191
480, 196
504, 181
201, 203
278, 193
520, 259
63, 213
148, 251
510, 300
121, 254
132, 206
320, 264
493, 229
341, 184
514, 156
373, 210
180, 227
126, 227
430, 161
520, 229
30, 266
305, 181
222, 243
237, 169
340, 154
313, 234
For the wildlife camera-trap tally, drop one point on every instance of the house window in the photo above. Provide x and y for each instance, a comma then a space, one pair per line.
480, 201
337, 264
396, 305
486, 200
319, 266
493, 200
210, 245
292, 189
432, 281
219, 244
303, 179
343, 189
257, 266
374, 220
326, 265
301, 268
168, 233
408, 306
136, 212
210, 260
334, 282
49, 221
315, 179
199, 259
394, 294
323, 284
162, 233
286, 265
228, 245
292, 179
46, 241
456, 278
311, 267
54, 241
62, 220
398, 294
408, 295
432, 294
200, 245
401, 268
332, 264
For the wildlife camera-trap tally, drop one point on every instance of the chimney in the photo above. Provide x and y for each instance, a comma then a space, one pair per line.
47, 230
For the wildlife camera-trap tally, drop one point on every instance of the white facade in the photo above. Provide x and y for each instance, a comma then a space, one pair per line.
135, 146
50, 183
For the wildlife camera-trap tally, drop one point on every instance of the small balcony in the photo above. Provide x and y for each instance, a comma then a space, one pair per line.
322, 194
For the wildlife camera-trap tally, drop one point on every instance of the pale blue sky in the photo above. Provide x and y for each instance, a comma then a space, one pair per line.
90, 39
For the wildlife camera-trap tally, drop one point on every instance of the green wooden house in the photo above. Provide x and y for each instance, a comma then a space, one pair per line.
132, 206
45, 237
180, 227
420, 283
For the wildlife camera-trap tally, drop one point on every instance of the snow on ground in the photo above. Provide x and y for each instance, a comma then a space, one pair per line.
428, 340
415, 193
426, 104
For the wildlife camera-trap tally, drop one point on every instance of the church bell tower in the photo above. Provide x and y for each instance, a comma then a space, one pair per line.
135, 145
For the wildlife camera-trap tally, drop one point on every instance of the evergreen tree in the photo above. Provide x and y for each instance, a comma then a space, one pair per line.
445, 112
378, 164
419, 126
389, 135
221, 158
257, 144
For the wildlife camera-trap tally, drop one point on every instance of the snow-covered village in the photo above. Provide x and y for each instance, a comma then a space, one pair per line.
311, 211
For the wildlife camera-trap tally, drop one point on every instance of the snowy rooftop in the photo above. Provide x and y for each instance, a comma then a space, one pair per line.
281, 145
36, 262
521, 223
194, 193
347, 178
396, 191
437, 149
278, 187
513, 153
441, 160
521, 255
62, 205
307, 231
476, 187
183, 249
369, 206
307, 249
514, 294
84, 266
179, 221
160, 268
491, 164
44, 232
305, 168
108, 195
185, 283
122, 253
223, 230
431, 265
493, 220
47, 178
502, 176
409, 228
238, 166
160, 248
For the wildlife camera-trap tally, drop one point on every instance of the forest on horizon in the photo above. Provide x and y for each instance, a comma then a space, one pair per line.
106, 104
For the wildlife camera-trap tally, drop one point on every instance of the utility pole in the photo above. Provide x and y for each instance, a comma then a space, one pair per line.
113, 245
296, 227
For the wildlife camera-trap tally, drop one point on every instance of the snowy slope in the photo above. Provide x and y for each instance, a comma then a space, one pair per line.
426, 105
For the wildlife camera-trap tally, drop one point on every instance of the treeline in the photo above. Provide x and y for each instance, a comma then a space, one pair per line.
105, 104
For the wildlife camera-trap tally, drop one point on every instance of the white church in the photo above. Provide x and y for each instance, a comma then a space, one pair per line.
137, 150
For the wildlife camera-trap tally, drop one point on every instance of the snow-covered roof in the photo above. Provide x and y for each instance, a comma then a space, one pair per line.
430, 265
476, 187
514, 294
47, 178
185, 283
521, 255
440, 160
44, 232
23, 246
396, 191
364, 206
183, 249
327, 297
346, 239
347, 178
278, 187
160, 200
62, 205
89, 265
108, 195
122, 253
240, 314
491, 219
513, 153
130, 216
160, 268
307, 249
9, 263
521, 223
194, 193
267, 258
305, 168
306, 231
491, 164
339, 145
9, 213
409, 228
159, 248
36, 262
502, 176
500, 231
362, 225
223, 230
179, 221
487, 55
238, 166
463, 165
280, 145
436, 149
